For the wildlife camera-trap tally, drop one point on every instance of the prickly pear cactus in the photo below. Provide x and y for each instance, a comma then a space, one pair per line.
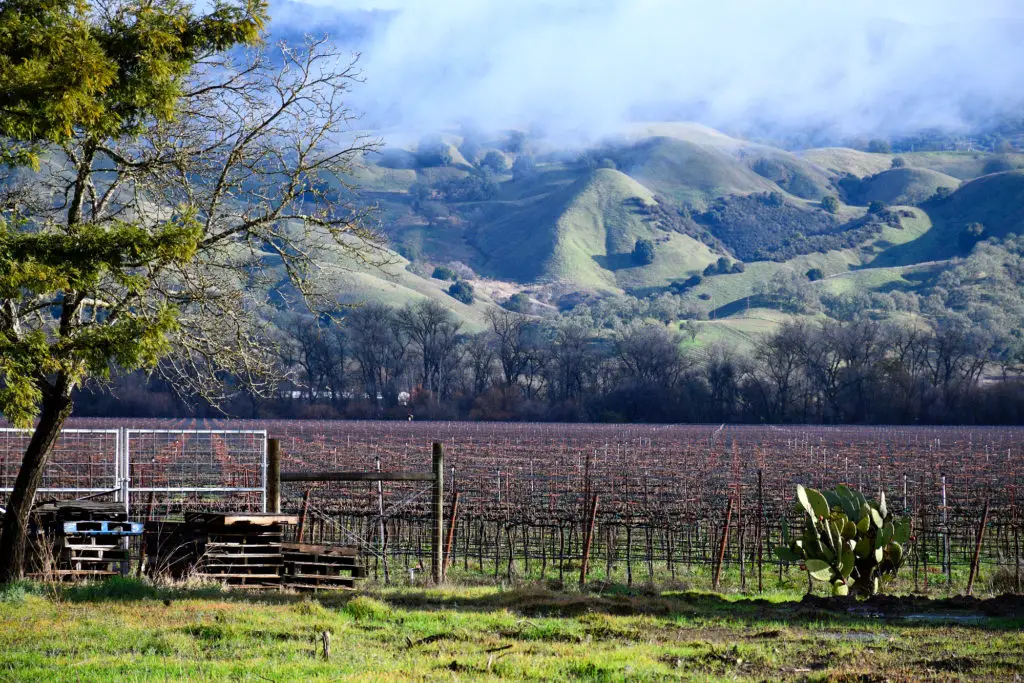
850, 542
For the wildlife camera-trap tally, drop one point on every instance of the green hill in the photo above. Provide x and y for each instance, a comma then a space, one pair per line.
689, 173
995, 201
903, 186
799, 177
841, 161
964, 165
582, 232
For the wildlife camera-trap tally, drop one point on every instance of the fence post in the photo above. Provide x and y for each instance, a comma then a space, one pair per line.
725, 540
274, 476
977, 549
451, 533
302, 515
587, 541
438, 508
760, 532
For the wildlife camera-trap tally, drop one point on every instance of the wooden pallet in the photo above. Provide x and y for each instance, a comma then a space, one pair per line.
317, 567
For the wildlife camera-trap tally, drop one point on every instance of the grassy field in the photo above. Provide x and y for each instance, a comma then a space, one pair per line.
129, 631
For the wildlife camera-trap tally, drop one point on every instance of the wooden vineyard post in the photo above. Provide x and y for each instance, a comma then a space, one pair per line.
587, 541
946, 559
451, 533
437, 554
721, 548
977, 549
381, 529
760, 532
274, 476
302, 515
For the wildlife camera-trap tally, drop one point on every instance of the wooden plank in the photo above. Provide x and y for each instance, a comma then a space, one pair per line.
357, 476
203, 575
232, 518
328, 550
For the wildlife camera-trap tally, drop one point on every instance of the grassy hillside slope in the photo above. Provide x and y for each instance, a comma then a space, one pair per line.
842, 160
995, 201
904, 186
689, 173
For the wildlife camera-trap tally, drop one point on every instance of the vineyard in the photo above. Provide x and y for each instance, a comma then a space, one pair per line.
667, 505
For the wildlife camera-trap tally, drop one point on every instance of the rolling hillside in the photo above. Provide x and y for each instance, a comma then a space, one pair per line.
902, 186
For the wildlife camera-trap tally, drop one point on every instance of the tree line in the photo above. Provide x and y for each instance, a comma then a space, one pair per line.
419, 362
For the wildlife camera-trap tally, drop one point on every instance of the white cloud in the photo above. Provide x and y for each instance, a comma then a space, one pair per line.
861, 66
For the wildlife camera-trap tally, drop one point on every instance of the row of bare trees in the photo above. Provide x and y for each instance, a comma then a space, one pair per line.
380, 361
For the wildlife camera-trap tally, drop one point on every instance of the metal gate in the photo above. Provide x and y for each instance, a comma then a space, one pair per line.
178, 462
83, 462
125, 462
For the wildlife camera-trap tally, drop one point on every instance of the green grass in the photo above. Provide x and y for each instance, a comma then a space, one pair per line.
136, 632
963, 165
842, 160
904, 186
993, 200
688, 172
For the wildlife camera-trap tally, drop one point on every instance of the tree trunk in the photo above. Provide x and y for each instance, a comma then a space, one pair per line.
14, 534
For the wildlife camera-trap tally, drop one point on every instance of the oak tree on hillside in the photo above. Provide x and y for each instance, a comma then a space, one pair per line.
165, 170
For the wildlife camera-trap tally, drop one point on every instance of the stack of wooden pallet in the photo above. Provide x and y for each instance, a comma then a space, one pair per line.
320, 567
81, 540
239, 549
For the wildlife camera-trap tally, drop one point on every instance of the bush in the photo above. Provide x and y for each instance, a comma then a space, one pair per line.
723, 266
523, 168
495, 161
710, 270
815, 274
433, 152
519, 303
879, 146
941, 194
899, 162
461, 291
876, 207
643, 252
444, 273
830, 204
738, 267
971, 235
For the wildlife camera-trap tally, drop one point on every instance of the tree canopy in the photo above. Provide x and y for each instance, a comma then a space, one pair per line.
157, 183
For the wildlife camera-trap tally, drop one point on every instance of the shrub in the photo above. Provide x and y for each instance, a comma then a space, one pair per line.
815, 274
723, 266
941, 194
850, 542
971, 235
444, 273
711, 269
899, 162
643, 252
830, 204
461, 291
433, 152
738, 267
519, 303
876, 207
879, 146
523, 168
495, 161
